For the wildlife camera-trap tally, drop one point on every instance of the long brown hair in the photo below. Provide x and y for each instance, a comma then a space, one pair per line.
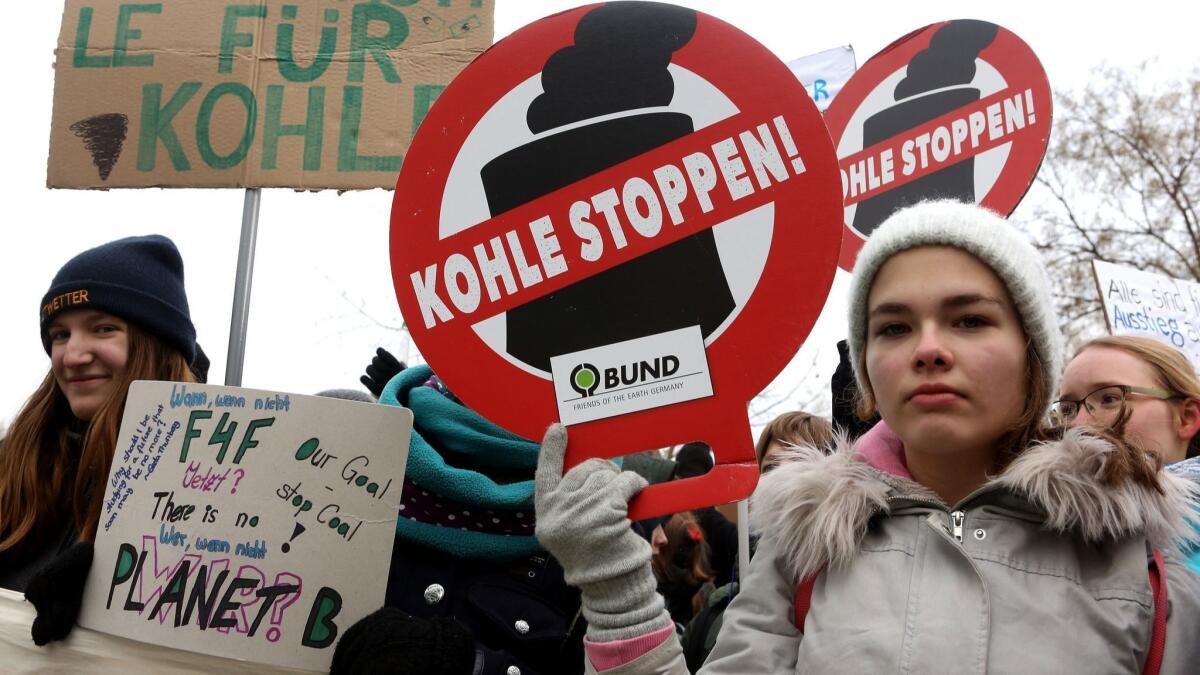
1130, 461
683, 559
1031, 426
40, 485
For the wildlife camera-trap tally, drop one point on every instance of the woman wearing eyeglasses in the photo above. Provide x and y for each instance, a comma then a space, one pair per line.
1145, 389
1151, 383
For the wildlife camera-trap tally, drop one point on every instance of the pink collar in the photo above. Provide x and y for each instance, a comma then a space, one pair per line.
882, 448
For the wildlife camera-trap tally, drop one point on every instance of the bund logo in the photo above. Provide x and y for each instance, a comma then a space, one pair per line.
584, 379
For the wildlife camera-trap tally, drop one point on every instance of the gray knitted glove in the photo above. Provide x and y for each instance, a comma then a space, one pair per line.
582, 519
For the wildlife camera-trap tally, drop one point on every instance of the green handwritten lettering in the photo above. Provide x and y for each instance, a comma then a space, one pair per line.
156, 125
125, 33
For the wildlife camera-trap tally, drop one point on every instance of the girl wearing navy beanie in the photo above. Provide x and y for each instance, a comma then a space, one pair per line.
113, 314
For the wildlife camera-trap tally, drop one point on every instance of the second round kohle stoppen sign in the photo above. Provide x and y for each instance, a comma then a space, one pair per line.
625, 217
955, 110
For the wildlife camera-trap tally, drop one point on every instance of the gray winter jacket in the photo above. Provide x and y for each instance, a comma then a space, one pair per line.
1041, 570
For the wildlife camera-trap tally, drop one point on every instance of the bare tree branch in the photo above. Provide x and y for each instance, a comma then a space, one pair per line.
1122, 176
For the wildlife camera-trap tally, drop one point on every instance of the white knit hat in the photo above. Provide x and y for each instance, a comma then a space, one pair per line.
984, 235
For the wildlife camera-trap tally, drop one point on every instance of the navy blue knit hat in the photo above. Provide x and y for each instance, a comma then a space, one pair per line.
139, 279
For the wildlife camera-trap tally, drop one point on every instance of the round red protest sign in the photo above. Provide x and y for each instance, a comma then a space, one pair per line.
624, 217
959, 109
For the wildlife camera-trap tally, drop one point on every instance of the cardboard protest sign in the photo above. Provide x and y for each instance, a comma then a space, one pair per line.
955, 110
307, 94
824, 73
624, 217
1150, 305
245, 523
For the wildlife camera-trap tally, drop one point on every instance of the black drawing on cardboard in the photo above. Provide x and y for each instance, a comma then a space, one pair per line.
937, 81
103, 136
617, 64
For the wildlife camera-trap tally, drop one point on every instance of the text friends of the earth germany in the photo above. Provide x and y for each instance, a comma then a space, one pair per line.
232, 518
956, 110
617, 178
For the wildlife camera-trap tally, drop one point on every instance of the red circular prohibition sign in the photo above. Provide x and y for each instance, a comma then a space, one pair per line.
1014, 82
766, 329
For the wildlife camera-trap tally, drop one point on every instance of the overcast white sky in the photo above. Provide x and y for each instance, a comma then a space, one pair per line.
323, 298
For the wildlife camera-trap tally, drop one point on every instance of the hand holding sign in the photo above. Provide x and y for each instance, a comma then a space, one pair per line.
604, 221
582, 521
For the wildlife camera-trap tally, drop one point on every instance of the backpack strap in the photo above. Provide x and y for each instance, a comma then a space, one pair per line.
1158, 635
803, 600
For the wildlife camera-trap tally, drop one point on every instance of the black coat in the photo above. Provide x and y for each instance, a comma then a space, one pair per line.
722, 537
521, 614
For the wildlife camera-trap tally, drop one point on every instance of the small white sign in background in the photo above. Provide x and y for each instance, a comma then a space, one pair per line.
630, 376
248, 524
825, 73
1151, 305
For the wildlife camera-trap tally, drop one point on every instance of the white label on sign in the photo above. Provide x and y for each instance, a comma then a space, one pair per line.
630, 376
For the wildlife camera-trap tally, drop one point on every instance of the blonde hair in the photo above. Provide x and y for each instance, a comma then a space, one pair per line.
1175, 373
46, 475
797, 428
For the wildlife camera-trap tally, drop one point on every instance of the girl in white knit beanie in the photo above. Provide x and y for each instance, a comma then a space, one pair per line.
960, 535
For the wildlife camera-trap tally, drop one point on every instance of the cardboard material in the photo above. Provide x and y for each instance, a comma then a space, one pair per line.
563, 213
956, 110
251, 524
308, 94
1150, 305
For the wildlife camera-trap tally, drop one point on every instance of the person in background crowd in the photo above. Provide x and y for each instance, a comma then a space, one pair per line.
382, 368
1148, 385
785, 433
844, 391
470, 590
113, 314
986, 541
680, 563
200, 365
1147, 390
789, 430
695, 459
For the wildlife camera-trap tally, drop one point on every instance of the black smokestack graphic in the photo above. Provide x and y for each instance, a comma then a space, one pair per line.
103, 136
945, 68
617, 64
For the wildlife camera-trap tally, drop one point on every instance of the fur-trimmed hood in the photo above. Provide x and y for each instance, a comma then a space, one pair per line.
818, 506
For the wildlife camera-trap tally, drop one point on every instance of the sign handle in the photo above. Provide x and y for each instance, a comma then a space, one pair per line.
743, 525
732, 477
241, 288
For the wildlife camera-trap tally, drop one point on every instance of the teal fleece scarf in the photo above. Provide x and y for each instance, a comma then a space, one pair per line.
440, 424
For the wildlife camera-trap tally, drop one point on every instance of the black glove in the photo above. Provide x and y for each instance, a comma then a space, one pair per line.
382, 368
56, 591
390, 641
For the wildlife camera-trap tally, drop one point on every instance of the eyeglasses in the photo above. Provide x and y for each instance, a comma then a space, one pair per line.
1106, 404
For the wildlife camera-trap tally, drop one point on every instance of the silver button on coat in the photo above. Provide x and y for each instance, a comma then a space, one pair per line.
434, 594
